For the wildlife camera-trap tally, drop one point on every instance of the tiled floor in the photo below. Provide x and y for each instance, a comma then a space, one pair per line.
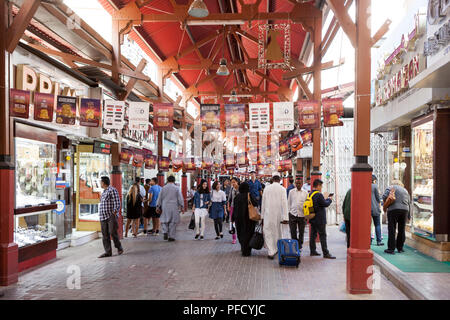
152, 268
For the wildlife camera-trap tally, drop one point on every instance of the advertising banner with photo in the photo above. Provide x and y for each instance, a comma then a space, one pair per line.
207, 163
90, 112
333, 110
309, 114
163, 117
230, 162
114, 112
285, 165
177, 160
306, 136
19, 103
138, 157
44, 105
138, 114
295, 142
149, 159
66, 110
189, 164
283, 148
283, 116
210, 116
163, 164
126, 155
234, 116
259, 117
242, 159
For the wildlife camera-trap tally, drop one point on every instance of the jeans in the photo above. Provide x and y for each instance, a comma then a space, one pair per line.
295, 222
109, 230
218, 225
376, 223
200, 221
321, 230
396, 221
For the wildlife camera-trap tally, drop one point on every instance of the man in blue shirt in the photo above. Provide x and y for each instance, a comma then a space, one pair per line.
290, 186
153, 194
255, 187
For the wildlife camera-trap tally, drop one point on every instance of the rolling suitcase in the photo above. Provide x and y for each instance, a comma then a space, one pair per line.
288, 252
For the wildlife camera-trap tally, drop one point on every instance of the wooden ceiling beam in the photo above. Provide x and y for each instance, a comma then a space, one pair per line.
20, 23
132, 82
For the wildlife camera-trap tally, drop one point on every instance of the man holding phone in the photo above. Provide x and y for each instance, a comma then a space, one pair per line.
319, 222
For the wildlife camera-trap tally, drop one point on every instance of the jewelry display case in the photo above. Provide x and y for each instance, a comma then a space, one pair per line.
34, 227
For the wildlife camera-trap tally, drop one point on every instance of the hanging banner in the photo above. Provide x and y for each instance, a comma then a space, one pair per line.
259, 118
177, 161
333, 109
90, 112
44, 104
163, 117
283, 148
306, 136
207, 164
163, 163
285, 165
309, 114
138, 157
114, 114
138, 114
66, 110
210, 116
234, 116
230, 163
295, 142
189, 165
283, 116
19, 103
126, 155
242, 159
150, 161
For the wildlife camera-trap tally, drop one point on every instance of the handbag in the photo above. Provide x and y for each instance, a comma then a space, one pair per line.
192, 222
342, 227
389, 200
253, 213
257, 240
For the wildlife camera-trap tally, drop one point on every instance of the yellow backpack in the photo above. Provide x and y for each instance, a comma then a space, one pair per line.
308, 206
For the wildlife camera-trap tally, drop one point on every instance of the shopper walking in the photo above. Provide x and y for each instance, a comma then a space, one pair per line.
319, 222
274, 212
227, 189
240, 216
255, 188
108, 211
290, 186
134, 208
376, 211
233, 193
296, 199
397, 213
146, 213
169, 204
346, 209
153, 195
202, 200
218, 207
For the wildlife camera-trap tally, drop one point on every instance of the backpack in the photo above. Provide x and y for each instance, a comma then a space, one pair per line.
308, 206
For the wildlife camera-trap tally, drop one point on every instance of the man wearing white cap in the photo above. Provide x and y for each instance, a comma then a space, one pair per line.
274, 212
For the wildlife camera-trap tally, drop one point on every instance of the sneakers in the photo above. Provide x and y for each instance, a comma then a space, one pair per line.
201, 238
217, 238
221, 235
234, 241
196, 236
120, 252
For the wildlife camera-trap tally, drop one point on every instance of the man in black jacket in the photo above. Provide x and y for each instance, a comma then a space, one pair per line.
319, 222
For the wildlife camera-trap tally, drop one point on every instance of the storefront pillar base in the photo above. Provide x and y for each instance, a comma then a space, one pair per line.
359, 255
184, 189
9, 251
116, 182
160, 176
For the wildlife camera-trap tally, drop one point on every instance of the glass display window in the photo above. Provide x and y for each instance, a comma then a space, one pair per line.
91, 167
32, 228
35, 172
129, 173
422, 188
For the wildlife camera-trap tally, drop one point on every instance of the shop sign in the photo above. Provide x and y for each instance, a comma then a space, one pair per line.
19, 103
283, 116
114, 114
309, 114
400, 81
234, 116
90, 112
102, 147
210, 116
66, 110
439, 40
259, 117
138, 114
333, 110
163, 117
43, 106
437, 10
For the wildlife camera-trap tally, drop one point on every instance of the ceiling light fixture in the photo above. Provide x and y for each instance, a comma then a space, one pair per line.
223, 70
233, 97
198, 9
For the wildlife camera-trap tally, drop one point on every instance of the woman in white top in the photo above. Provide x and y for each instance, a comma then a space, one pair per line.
218, 207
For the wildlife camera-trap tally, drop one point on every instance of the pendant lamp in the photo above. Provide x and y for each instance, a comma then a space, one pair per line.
233, 97
198, 9
223, 70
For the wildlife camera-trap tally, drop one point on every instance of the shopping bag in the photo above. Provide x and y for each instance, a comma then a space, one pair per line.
257, 240
342, 227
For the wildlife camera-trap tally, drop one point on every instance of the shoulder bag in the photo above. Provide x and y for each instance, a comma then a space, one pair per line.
253, 213
389, 200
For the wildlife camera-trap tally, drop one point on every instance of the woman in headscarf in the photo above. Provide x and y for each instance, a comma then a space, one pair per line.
244, 226
134, 209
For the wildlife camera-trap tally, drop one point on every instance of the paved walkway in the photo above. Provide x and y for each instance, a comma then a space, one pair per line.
152, 268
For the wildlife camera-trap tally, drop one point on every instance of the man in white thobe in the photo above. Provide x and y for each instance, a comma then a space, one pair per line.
170, 202
274, 212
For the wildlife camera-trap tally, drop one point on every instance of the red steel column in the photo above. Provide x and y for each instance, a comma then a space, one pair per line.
9, 251
160, 174
116, 181
359, 255
184, 189
285, 181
